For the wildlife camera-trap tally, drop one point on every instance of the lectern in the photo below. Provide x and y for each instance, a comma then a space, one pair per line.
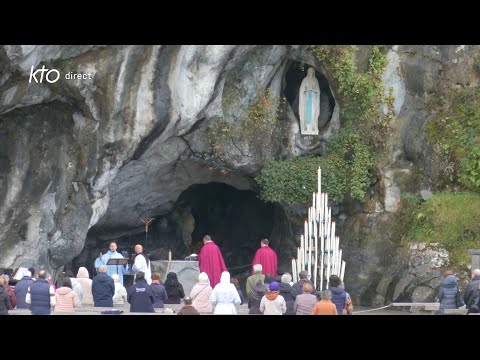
117, 262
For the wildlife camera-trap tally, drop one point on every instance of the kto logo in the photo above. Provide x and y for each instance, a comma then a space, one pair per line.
51, 78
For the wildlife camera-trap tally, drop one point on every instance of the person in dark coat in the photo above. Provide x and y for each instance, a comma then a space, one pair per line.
159, 291
288, 293
4, 299
448, 294
41, 295
234, 281
472, 289
255, 297
298, 286
339, 296
21, 289
174, 289
103, 288
140, 295
188, 308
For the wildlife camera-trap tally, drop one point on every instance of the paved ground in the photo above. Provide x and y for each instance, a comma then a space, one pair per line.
243, 310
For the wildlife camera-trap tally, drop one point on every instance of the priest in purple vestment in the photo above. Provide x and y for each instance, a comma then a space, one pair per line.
210, 261
267, 257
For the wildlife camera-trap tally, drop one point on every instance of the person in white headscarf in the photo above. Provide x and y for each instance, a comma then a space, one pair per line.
224, 297
200, 294
120, 296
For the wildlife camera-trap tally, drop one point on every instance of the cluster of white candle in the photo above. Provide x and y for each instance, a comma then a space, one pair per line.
326, 261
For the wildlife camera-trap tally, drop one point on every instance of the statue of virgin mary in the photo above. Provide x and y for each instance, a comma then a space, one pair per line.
309, 104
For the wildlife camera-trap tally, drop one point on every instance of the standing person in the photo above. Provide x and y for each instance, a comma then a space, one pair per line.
76, 286
210, 260
66, 298
305, 302
200, 294
158, 291
174, 289
142, 263
447, 294
325, 306
472, 291
4, 298
255, 296
298, 286
103, 288
235, 282
140, 295
120, 296
10, 292
267, 257
288, 293
112, 269
224, 297
252, 279
86, 284
339, 295
41, 295
272, 303
21, 290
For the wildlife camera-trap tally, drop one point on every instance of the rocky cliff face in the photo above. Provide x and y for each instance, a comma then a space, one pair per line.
96, 154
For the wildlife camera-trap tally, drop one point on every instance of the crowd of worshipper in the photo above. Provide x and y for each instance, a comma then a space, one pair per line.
216, 292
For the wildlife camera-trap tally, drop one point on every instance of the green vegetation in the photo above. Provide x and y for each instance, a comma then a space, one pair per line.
450, 219
251, 135
349, 158
345, 172
456, 129
360, 93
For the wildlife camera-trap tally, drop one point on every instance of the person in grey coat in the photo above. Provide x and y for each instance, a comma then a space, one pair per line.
472, 288
448, 294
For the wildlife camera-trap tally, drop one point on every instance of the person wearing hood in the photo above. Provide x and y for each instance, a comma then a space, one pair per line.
103, 288
224, 297
447, 294
200, 294
120, 296
21, 290
339, 295
272, 303
86, 283
255, 296
288, 293
174, 289
66, 298
4, 299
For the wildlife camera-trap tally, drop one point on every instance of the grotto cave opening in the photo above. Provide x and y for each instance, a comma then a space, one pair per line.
235, 219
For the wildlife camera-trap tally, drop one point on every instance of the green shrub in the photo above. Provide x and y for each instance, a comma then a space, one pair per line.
345, 172
451, 219
456, 129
